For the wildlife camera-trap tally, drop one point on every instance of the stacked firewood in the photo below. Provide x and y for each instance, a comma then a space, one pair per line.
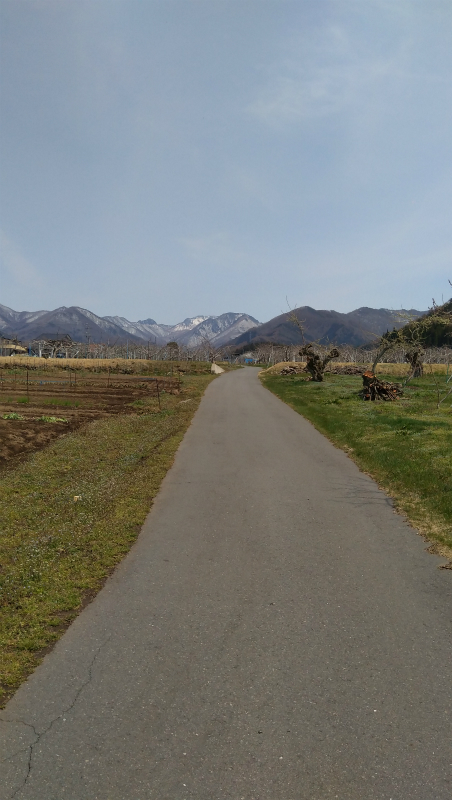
374, 389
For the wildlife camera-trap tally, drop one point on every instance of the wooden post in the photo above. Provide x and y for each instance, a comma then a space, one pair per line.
158, 393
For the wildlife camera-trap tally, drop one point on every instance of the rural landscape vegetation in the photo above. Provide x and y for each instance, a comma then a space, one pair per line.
86, 441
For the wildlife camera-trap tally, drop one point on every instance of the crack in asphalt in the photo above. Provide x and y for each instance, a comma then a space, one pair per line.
39, 736
23, 749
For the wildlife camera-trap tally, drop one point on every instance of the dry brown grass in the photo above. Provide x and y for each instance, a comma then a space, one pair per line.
138, 366
403, 369
382, 369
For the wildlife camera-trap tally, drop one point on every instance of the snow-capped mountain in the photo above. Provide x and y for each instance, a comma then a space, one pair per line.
147, 329
356, 327
192, 331
10, 318
82, 325
217, 330
188, 324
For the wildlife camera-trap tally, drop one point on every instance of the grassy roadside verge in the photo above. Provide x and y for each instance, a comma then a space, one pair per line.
55, 552
406, 446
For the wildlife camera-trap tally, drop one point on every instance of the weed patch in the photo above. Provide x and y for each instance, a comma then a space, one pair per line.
52, 419
60, 401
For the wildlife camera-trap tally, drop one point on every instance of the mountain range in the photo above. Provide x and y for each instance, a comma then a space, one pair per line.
356, 328
82, 325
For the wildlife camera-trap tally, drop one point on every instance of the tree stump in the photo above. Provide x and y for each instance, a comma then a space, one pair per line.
414, 358
315, 365
374, 389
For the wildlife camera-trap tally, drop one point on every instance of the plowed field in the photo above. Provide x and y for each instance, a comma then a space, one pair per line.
34, 412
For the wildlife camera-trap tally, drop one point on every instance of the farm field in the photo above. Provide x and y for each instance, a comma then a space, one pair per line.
37, 407
75, 493
121, 366
406, 445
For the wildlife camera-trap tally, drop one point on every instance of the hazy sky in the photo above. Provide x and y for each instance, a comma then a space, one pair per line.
166, 158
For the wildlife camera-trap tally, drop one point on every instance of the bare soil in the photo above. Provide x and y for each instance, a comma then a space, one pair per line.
75, 399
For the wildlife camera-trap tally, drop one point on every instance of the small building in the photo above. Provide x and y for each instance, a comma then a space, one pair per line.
10, 347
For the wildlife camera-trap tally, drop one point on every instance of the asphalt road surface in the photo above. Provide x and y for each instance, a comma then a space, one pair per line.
278, 632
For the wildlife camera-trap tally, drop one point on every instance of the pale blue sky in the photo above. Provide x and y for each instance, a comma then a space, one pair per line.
168, 158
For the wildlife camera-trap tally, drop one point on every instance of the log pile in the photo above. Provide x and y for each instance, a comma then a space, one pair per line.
374, 389
345, 369
291, 370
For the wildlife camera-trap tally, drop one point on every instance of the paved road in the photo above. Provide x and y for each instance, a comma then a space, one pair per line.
276, 633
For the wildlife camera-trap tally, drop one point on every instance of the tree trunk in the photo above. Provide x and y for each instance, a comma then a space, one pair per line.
414, 358
315, 365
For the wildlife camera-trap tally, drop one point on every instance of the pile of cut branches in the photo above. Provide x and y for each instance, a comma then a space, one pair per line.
292, 370
346, 369
374, 389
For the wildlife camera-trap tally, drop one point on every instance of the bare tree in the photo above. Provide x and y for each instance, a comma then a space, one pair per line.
414, 359
299, 323
316, 362
317, 356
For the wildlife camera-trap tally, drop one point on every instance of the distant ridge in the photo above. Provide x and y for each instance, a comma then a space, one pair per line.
79, 323
356, 328
82, 325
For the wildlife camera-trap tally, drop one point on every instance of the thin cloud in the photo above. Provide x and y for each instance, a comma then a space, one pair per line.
322, 77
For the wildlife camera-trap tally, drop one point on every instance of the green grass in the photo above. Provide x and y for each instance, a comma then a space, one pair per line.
405, 445
144, 402
55, 551
59, 401
52, 419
